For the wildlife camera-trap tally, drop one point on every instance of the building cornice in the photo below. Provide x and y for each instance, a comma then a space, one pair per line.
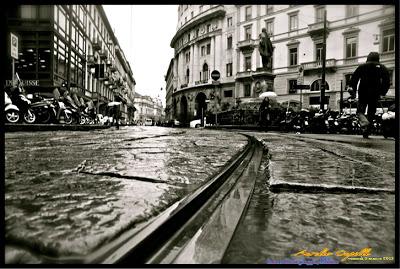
214, 12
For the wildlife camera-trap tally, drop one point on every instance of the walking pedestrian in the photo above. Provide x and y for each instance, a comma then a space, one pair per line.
264, 110
374, 82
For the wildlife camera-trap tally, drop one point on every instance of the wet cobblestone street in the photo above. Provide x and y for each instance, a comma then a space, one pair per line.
66, 193
280, 224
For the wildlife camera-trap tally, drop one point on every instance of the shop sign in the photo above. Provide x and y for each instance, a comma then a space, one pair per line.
24, 82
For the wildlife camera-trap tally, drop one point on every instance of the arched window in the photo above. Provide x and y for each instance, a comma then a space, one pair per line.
316, 85
205, 72
187, 75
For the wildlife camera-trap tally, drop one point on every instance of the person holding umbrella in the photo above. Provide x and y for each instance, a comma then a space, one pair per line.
265, 108
115, 112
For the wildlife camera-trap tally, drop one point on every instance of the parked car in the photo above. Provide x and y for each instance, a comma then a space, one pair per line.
197, 123
148, 122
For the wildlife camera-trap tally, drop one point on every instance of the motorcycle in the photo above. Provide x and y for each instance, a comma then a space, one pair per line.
11, 111
333, 124
21, 101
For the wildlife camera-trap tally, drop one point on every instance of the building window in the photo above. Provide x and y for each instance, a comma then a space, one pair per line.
248, 13
205, 72
351, 47
229, 70
192, 14
319, 14
229, 21
247, 32
202, 50
229, 42
28, 12
318, 53
293, 22
269, 9
247, 63
187, 75
316, 85
293, 56
247, 90
269, 25
187, 57
291, 85
200, 8
351, 10
228, 93
388, 40
208, 49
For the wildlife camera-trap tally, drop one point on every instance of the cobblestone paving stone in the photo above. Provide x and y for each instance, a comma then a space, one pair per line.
66, 193
280, 224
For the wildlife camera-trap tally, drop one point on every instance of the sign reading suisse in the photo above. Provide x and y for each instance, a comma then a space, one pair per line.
215, 75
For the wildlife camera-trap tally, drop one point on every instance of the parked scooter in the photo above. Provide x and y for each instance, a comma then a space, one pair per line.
19, 99
44, 109
11, 111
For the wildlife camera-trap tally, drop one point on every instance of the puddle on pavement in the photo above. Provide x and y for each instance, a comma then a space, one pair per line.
278, 225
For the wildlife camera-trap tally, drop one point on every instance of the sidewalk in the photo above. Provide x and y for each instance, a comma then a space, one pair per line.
51, 127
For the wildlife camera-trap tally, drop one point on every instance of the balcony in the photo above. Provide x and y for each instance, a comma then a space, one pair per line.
97, 45
248, 44
330, 65
183, 86
244, 74
103, 54
387, 55
113, 68
317, 29
199, 82
91, 60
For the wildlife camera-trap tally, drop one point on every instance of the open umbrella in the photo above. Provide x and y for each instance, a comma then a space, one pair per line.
267, 94
114, 103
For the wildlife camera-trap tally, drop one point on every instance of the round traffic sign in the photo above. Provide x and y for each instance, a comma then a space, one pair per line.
215, 75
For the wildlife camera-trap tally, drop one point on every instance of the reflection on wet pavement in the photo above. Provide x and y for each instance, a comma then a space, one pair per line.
66, 193
280, 224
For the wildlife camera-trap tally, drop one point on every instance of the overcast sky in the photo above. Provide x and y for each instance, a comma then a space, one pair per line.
144, 33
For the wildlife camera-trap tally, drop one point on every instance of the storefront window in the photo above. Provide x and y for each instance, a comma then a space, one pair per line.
44, 59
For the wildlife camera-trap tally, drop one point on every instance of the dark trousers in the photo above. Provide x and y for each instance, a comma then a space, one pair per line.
371, 105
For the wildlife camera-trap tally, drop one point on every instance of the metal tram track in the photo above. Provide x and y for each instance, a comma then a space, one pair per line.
197, 229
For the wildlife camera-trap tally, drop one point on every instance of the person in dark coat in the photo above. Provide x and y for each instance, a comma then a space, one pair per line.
374, 83
264, 110
265, 48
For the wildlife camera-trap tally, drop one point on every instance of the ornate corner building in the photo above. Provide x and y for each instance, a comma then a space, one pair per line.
225, 38
71, 47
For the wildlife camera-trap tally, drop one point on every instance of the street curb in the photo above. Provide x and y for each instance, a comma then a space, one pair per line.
243, 127
51, 127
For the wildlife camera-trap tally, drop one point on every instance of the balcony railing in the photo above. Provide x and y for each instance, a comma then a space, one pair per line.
247, 44
199, 82
103, 55
330, 63
244, 74
97, 44
317, 28
92, 60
